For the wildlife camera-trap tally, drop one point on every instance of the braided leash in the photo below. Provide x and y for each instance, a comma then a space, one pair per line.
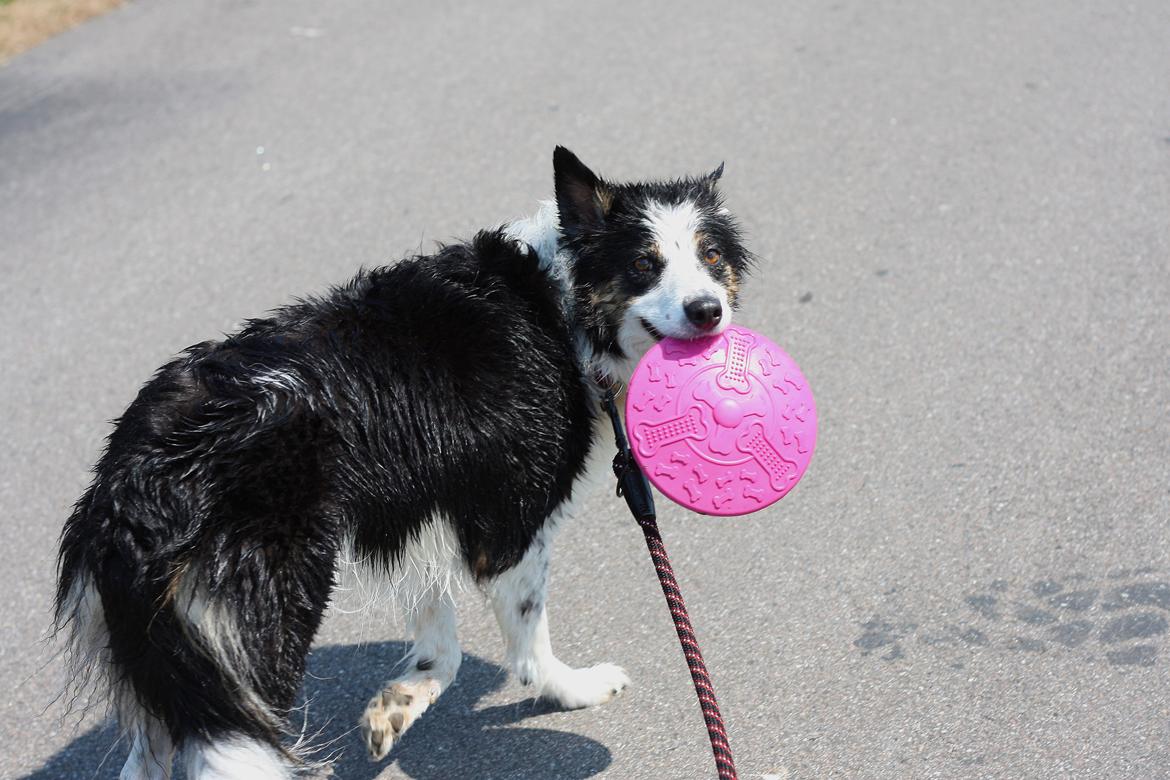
632, 485
724, 763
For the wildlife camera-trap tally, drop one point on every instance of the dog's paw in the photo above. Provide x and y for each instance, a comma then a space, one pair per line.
577, 688
393, 711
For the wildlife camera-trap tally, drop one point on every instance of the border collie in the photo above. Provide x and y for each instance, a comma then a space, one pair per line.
428, 420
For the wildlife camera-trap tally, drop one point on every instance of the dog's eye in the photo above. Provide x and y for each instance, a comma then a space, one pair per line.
712, 256
643, 264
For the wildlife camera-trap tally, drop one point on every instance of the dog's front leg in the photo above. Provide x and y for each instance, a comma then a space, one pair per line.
431, 667
518, 597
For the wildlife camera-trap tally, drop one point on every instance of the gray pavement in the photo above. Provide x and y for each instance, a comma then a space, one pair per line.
964, 214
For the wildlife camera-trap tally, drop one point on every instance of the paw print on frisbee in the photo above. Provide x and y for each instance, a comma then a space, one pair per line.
724, 425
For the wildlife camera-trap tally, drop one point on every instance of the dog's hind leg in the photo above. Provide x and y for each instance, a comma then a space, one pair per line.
432, 663
518, 598
151, 750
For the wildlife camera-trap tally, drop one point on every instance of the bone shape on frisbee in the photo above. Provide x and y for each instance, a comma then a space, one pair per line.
779, 469
652, 436
734, 375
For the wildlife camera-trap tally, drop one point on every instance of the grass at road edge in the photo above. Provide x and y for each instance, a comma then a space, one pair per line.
25, 23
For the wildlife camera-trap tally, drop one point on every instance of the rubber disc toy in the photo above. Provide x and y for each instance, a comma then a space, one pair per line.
724, 425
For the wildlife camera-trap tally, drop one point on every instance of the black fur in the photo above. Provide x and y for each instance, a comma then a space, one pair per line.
440, 385
448, 385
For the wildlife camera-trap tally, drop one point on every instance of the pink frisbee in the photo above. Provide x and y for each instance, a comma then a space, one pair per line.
724, 425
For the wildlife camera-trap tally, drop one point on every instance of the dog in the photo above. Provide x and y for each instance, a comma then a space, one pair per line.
429, 420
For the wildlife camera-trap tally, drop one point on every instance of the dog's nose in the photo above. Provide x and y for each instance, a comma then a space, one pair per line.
705, 312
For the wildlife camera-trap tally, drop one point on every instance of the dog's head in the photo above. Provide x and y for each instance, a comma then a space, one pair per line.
651, 259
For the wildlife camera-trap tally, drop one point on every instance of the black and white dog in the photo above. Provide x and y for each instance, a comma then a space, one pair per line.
428, 420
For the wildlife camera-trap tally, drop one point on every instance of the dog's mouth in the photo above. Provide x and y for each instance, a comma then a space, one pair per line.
653, 331
693, 333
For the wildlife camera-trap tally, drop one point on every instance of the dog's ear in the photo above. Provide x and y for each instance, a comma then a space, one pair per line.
714, 176
583, 200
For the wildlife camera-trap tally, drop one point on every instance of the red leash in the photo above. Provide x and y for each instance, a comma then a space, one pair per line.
724, 763
632, 485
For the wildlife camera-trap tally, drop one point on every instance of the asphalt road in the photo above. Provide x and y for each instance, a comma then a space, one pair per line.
964, 214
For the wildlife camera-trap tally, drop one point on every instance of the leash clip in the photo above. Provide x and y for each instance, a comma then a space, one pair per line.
621, 465
632, 484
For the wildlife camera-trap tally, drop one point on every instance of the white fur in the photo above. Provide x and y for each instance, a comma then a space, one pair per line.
213, 626
430, 563
87, 662
87, 641
433, 561
542, 231
402, 701
422, 583
235, 758
519, 598
675, 230
634, 341
435, 640
151, 750
283, 381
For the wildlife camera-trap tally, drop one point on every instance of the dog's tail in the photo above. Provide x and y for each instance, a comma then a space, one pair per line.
144, 632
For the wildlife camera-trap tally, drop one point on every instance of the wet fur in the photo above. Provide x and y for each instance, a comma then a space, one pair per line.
449, 397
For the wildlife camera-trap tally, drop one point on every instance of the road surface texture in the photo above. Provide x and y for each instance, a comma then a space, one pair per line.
963, 215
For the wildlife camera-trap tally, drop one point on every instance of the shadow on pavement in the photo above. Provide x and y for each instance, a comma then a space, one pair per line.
453, 740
